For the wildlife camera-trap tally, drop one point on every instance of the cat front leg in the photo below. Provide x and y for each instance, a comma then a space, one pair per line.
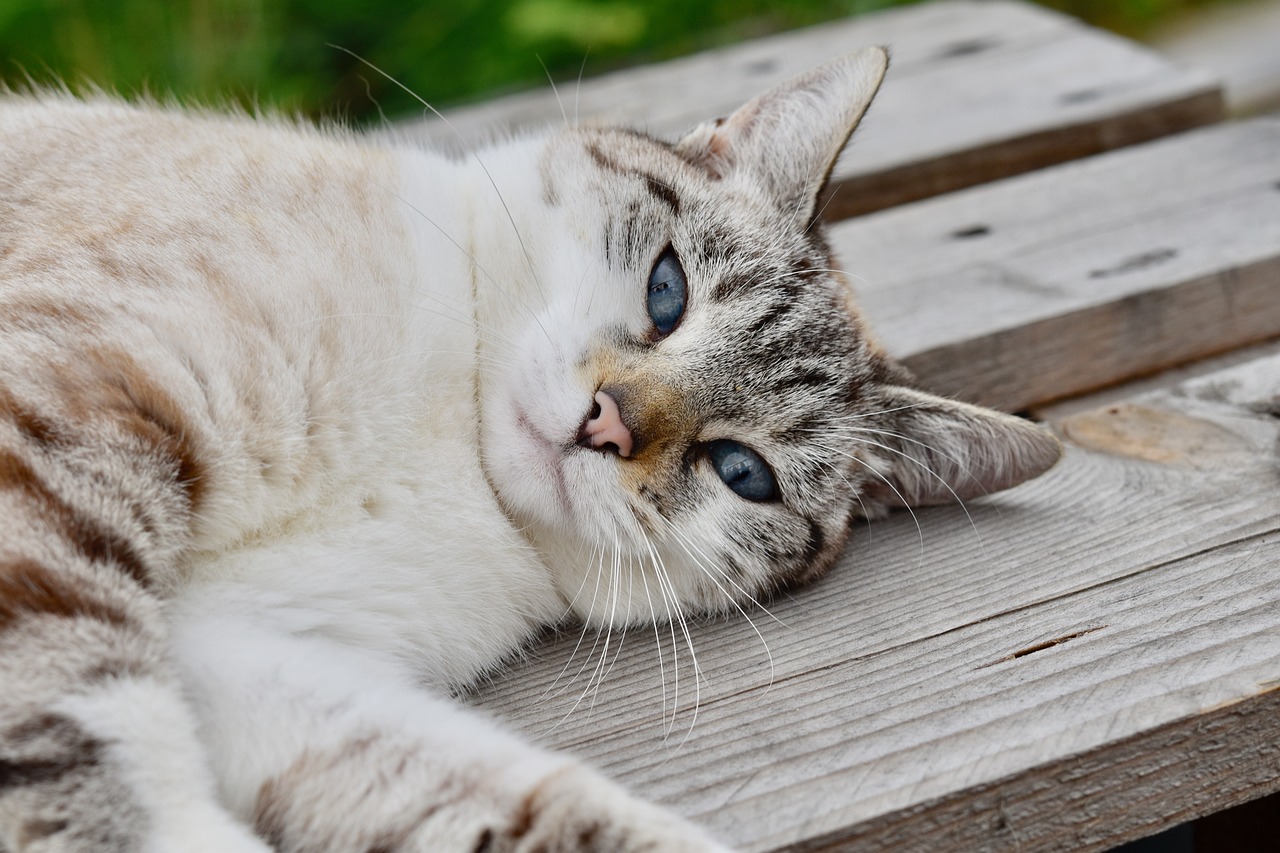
98, 748
105, 763
320, 747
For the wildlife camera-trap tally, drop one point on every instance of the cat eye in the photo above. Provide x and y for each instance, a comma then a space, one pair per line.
742, 470
667, 292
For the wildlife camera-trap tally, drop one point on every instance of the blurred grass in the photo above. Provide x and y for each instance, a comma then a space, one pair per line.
300, 55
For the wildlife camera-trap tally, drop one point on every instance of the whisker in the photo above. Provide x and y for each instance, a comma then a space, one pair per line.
585, 627
823, 209
470, 149
864, 463
554, 90
657, 636
581, 636
664, 577
597, 675
518, 297
685, 546
840, 419
709, 564
577, 92
981, 545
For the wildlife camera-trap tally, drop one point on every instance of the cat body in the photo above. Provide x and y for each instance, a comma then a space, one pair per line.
300, 435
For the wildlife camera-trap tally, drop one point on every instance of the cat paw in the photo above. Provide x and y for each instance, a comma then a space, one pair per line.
576, 811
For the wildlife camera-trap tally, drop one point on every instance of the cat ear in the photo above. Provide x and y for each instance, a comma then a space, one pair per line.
943, 450
788, 139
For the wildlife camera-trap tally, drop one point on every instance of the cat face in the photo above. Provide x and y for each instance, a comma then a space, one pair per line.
696, 413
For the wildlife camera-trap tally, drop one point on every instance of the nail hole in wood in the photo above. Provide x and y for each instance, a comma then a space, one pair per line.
967, 48
1081, 96
971, 232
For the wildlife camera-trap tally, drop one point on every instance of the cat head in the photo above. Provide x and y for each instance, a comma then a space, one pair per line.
693, 413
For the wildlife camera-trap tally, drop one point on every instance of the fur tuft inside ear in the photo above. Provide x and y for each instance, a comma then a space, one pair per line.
941, 451
788, 138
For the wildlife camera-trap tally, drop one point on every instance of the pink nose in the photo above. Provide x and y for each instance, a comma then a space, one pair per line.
604, 426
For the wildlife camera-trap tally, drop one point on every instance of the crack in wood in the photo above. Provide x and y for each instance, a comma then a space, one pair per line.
1135, 263
1041, 646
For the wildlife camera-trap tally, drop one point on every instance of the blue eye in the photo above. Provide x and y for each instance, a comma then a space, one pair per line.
743, 470
667, 292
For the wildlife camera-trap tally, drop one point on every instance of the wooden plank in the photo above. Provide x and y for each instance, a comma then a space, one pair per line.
1087, 274
1080, 661
1002, 87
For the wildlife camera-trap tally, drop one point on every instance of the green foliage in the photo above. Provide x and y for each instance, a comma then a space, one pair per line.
319, 56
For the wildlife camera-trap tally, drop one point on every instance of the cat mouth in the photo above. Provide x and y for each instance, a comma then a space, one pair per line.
552, 459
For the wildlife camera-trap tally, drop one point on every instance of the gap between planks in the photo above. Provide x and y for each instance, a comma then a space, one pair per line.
1052, 284
1003, 87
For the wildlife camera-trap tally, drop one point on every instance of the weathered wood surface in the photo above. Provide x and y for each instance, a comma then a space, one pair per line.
976, 91
1078, 662
1083, 660
1079, 276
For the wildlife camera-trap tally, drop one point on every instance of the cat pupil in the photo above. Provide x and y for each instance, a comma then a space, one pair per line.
667, 292
742, 470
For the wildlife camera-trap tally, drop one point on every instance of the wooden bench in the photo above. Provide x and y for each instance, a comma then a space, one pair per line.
1084, 660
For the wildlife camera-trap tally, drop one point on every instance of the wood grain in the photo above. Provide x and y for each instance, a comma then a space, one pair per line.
1077, 662
1072, 278
976, 91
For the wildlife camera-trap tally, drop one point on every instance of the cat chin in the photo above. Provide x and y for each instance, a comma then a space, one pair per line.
546, 485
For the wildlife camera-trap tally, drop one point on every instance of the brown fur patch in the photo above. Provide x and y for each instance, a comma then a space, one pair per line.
28, 587
32, 311
84, 534
270, 813
108, 385
113, 669
526, 814
282, 810
145, 410
38, 830
74, 751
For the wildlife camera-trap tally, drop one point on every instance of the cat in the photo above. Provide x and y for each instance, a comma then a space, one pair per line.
302, 433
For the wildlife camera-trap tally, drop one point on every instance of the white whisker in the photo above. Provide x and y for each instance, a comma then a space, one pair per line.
554, 90
470, 149
706, 569
864, 463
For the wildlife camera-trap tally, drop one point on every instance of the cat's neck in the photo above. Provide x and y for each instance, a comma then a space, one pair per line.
409, 335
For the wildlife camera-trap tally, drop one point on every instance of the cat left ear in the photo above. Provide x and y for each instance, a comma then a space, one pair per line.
788, 139
939, 451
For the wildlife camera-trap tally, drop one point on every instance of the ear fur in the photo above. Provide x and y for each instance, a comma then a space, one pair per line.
788, 138
945, 450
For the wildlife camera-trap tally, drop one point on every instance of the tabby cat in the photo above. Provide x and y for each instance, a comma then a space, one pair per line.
302, 433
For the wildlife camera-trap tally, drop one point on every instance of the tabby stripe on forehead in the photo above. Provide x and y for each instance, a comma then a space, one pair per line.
86, 535
660, 190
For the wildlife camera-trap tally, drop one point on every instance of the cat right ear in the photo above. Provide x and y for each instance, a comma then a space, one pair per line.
936, 450
788, 138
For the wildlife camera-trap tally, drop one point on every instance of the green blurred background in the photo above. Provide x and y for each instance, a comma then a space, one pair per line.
278, 53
